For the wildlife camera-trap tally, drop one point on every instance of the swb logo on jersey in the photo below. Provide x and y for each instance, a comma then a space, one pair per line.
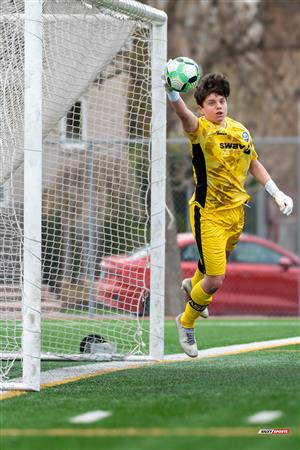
230, 147
233, 145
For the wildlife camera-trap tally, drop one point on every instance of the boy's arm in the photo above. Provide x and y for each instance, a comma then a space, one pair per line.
188, 119
259, 172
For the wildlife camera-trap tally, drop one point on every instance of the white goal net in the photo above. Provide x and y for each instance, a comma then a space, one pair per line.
99, 74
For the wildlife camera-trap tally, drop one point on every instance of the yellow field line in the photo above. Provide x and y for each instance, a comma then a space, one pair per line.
88, 375
9, 394
134, 432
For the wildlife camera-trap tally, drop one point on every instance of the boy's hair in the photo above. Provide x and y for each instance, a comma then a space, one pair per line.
215, 83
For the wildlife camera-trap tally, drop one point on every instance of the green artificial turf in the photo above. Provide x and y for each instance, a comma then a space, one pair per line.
218, 392
197, 394
223, 331
210, 333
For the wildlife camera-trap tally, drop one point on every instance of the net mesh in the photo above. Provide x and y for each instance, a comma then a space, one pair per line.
95, 194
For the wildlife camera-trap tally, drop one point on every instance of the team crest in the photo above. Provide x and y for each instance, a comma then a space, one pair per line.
245, 136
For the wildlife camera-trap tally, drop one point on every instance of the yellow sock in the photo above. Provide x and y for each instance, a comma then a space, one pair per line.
200, 296
200, 299
198, 276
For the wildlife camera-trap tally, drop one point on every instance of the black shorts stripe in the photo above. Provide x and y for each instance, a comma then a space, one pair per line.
199, 165
197, 219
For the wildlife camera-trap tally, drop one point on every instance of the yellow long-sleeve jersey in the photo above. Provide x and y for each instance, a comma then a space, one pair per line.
221, 158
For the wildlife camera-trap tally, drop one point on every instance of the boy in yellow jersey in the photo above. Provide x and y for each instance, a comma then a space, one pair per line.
222, 155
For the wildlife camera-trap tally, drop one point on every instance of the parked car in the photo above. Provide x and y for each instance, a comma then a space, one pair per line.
261, 278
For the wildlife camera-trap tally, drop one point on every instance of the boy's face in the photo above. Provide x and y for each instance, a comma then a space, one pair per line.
214, 108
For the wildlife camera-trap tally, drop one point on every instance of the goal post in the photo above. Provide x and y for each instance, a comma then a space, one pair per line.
31, 293
158, 194
82, 172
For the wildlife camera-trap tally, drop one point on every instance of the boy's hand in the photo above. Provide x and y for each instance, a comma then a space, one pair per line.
173, 96
284, 202
164, 78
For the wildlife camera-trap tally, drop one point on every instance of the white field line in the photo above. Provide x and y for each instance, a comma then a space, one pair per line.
236, 349
214, 323
90, 417
65, 375
264, 417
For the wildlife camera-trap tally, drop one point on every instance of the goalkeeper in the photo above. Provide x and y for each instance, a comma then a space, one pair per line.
222, 155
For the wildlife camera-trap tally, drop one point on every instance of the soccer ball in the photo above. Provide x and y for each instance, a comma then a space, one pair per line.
182, 74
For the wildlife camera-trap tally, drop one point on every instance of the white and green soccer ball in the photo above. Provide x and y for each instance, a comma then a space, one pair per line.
182, 74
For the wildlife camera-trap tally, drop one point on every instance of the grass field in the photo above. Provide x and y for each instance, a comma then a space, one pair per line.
194, 404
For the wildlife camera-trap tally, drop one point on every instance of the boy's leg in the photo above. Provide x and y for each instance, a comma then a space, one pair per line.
194, 309
209, 237
198, 276
188, 284
215, 237
201, 296
185, 322
199, 299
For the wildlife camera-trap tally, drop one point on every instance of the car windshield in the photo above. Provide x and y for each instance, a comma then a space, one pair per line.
189, 253
245, 252
250, 252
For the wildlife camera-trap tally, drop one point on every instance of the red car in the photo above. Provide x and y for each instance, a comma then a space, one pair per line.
261, 278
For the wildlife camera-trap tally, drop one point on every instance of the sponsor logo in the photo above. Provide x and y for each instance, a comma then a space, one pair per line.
245, 136
232, 145
274, 431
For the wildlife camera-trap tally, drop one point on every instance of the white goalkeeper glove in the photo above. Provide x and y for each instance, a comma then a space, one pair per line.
173, 96
284, 202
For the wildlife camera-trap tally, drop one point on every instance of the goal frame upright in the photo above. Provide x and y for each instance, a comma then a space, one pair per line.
31, 292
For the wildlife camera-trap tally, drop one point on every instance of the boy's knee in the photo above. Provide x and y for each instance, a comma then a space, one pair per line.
212, 283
